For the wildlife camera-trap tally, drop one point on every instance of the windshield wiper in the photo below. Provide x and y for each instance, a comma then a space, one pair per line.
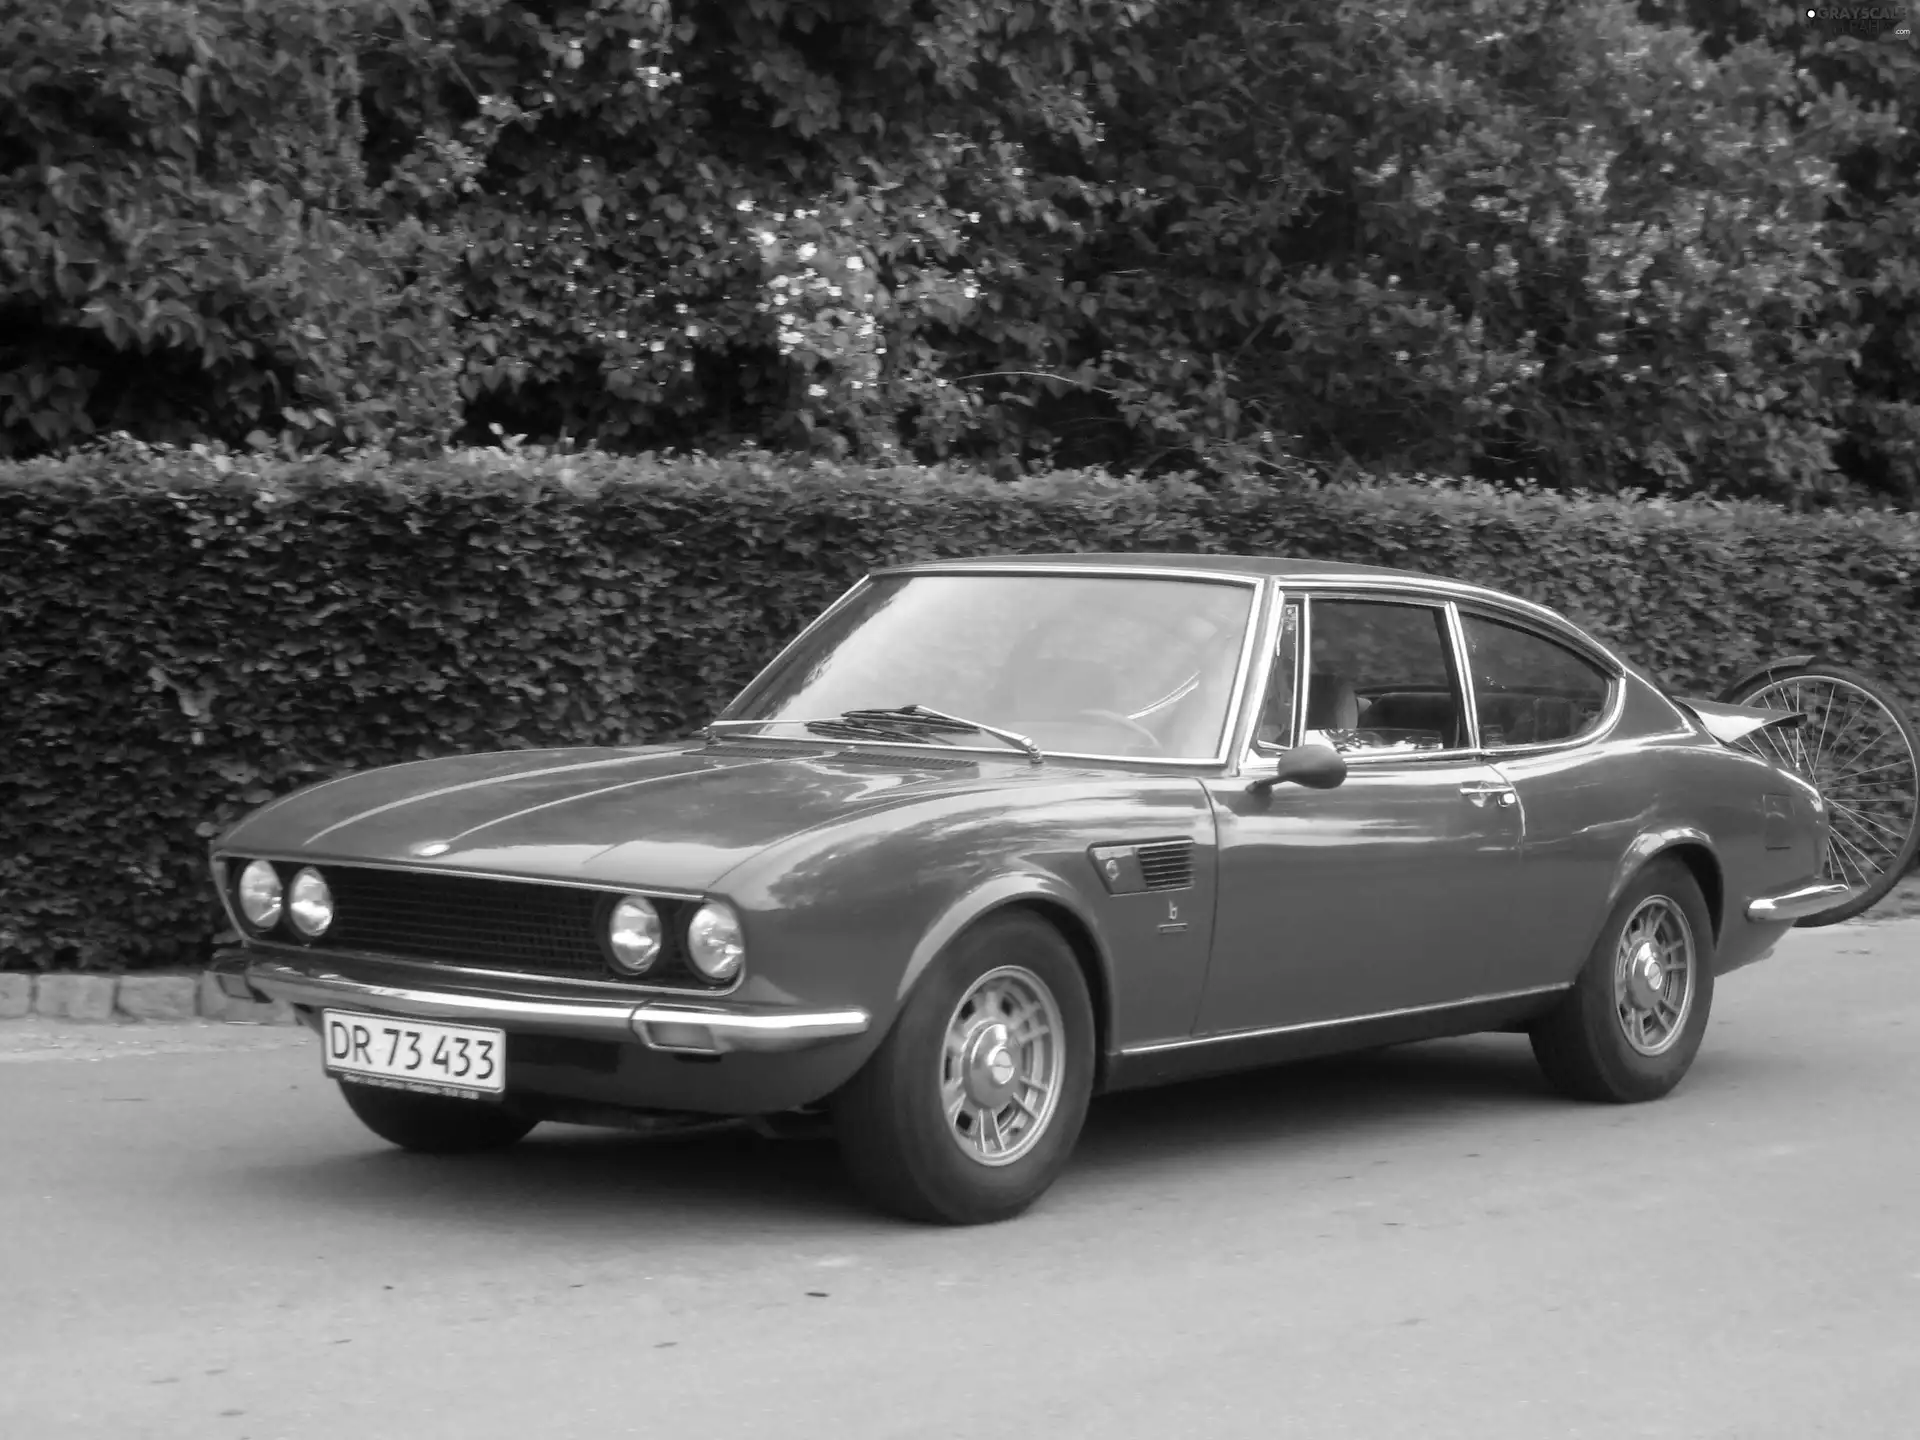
938, 720
851, 726
856, 725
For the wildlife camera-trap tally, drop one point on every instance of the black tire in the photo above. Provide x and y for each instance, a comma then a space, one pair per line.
1582, 1043
892, 1125
434, 1124
1862, 854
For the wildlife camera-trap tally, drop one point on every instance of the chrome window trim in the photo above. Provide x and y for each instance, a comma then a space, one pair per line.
1522, 610
847, 597
1255, 585
1617, 677
1248, 578
1396, 594
1469, 706
1302, 669
1261, 1032
1253, 758
1294, 581
1259, 682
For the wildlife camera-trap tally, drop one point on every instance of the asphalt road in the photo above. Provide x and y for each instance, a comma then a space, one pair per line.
196, 1240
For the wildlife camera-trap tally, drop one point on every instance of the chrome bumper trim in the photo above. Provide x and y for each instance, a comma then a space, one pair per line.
734, 1030
704, 1029
1796, 904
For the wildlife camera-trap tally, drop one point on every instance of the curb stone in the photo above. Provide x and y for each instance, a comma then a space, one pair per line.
16, 996
157, 997
100, 999
74, 997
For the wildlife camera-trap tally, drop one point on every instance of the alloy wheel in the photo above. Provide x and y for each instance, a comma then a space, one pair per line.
1653, 975
1001, 1065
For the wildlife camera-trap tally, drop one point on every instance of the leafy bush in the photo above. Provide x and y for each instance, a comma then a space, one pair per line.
185, 634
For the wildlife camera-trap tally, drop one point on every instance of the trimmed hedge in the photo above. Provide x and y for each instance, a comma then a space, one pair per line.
185, 634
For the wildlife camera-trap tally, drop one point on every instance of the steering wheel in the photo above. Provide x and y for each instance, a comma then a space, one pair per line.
1115, 718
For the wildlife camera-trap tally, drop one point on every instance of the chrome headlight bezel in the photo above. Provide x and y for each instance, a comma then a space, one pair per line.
716, 943
309, 894
636, 936
259, 896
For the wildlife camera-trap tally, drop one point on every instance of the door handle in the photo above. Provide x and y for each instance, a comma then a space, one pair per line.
1478, 792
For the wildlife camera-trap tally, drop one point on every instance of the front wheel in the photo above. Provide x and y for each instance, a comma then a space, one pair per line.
434, 1124
969, 1109
1863, 755
1630, 1026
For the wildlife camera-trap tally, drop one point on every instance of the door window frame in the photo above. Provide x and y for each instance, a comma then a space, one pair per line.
1610, 711
1255, 757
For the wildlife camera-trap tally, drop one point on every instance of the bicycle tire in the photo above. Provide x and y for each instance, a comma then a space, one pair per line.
1864, 848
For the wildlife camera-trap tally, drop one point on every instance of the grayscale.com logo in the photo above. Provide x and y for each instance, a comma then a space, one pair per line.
1895, 22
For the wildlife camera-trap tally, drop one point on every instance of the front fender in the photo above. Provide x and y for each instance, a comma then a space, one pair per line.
996, 894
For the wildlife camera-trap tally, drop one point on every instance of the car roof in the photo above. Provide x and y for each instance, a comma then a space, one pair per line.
1284, 567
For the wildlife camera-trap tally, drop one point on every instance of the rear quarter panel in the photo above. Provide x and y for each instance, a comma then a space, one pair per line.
1595, 817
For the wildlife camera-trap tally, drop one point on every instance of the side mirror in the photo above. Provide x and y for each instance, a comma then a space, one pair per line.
1318, 767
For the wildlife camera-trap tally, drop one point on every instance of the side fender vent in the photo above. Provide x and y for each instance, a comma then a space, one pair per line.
1155, 865
1167, 864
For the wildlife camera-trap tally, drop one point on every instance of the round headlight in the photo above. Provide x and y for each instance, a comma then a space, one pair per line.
260, 894
715, 942
310, 904
634, 934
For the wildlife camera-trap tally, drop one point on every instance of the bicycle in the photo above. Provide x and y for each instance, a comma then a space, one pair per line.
1862, 751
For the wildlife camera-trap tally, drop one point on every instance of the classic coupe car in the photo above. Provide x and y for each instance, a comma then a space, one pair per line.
990, 837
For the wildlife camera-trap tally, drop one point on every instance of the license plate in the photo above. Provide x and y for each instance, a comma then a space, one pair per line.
462, 1060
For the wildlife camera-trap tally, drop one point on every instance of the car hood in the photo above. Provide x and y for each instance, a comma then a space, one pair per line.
671, 817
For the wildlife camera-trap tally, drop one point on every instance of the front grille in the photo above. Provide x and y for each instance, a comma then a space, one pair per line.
1166, 864
491, 924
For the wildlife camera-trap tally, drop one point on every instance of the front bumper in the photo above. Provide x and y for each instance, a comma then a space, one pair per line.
672, 1026
1790, 906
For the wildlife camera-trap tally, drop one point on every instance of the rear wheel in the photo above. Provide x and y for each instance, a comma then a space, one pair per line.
1631, 1025
1863, 754
969, 1109
434, 1124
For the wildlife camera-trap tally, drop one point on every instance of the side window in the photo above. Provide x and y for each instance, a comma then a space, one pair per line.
1380, 677
1529, 690
1275, 730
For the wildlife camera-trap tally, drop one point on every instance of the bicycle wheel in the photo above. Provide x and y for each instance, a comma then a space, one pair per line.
1863, 753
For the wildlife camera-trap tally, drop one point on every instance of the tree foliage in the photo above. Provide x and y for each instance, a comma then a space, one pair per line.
1671, 248
187, 240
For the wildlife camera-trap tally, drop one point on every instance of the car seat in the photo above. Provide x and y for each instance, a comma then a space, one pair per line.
1331, 702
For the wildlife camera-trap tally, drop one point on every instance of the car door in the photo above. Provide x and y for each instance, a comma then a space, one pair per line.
1544, 706
1389, 892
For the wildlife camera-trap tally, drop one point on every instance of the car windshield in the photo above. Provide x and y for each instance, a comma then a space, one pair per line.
1119, 665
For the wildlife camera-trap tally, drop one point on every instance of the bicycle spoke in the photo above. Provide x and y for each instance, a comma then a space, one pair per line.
1877, 769
1868, 822
1838, 844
